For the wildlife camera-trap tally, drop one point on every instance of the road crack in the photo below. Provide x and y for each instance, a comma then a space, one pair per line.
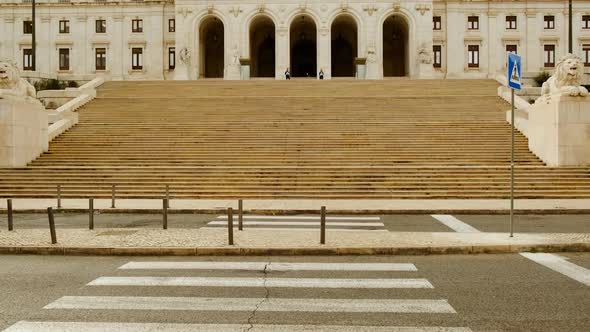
266, 296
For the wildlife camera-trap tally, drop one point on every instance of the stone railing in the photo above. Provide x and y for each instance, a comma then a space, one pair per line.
65, 117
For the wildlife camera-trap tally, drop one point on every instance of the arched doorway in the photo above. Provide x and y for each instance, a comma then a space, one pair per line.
303, 47
262, 47
211, 48
395, 46
344, 46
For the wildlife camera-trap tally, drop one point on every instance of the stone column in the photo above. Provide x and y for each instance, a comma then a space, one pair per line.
493, 43
82, 59
283, 52
183, 33
117, 48
324, 45
533, 47
45, 50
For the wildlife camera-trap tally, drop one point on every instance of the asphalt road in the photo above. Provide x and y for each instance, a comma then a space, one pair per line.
484, 292
394, 223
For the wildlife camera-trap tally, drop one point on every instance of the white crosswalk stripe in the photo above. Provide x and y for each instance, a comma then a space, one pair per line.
336, 223
251, 304
560, 265
27, 326
128, 305
269, 266
261, 282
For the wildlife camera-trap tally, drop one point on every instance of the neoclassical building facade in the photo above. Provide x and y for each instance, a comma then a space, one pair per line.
247, 39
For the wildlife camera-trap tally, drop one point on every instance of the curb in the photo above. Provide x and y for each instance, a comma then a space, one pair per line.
293, 251
312, 212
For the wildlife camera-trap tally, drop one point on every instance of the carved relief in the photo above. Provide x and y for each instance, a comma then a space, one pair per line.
425, 53
236, 11
422, 9
185, 56
370, 9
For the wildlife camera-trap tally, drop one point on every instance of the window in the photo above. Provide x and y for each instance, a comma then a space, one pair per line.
171, 58
101, 26
27, 27
473, 22
137, 58
585, 21
511, 49
549, 22
64, 26
101, 58
137, 25
473, 56
27, 59
437, 22
511, 22
437, 50
171, 25
586, 55
64, 59
549, 56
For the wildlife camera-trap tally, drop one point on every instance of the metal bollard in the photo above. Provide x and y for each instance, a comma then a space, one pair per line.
91, 213
113, 197
9, 212
59, 196
323, 226
165, 211
230, 225
168, 196
240, 215
51, 225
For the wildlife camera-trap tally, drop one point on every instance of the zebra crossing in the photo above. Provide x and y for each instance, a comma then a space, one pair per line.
340, 223
280, 276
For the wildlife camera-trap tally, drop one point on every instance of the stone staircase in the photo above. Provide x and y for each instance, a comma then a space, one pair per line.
298, 139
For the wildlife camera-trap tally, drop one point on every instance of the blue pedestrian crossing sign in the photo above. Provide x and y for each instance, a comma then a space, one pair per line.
514, 71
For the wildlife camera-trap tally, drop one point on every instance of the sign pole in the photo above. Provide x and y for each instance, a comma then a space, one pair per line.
512, 170
514, 82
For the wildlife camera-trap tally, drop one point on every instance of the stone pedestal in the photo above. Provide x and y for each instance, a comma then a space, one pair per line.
361, 68
426, 71
23, 132
559, 131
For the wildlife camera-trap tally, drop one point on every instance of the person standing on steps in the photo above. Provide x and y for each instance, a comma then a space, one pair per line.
321, 74
287, 74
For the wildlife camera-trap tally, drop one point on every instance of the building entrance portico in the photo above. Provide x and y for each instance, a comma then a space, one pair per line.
252, 39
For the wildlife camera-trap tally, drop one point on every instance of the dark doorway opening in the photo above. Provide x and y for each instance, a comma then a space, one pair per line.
212, 50
262, 47
344, 46
395, 47
303, 47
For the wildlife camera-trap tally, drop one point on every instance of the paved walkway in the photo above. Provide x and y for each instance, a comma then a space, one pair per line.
334, 206
259, 241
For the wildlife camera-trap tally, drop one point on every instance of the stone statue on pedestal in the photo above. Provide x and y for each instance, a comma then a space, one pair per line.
12, 86
566, 81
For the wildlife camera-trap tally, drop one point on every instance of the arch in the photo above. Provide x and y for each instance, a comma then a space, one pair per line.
344, 46
262, 41
396, 46
303, 46
211, 47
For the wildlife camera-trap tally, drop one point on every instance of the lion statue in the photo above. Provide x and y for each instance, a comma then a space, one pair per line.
12, 85
566, 81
